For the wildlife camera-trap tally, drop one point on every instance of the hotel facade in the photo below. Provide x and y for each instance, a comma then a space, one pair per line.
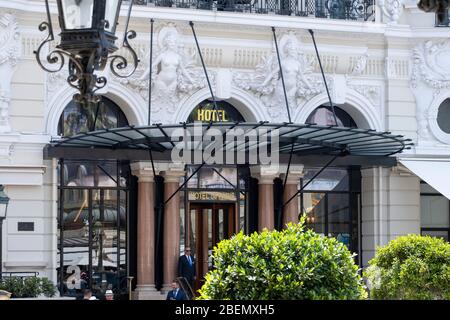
87, 220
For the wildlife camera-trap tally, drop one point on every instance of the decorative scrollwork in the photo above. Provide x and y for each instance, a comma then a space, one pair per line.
52, 57
119, 63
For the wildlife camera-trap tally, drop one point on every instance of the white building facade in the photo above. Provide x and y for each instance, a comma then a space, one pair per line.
387, 65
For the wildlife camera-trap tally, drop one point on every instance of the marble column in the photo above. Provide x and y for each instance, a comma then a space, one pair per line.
171, 225
145, 282
291, 210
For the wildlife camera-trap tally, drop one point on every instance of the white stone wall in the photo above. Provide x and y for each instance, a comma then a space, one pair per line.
390, 207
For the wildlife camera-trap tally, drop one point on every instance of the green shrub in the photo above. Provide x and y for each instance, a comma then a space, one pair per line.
288, 264
27, 287
31, 287
47, 287
410, 267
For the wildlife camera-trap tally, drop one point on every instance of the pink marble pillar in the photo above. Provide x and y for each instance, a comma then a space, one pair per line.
145, 289
171, 226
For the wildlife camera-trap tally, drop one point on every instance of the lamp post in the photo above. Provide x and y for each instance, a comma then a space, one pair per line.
88, 34
4, 200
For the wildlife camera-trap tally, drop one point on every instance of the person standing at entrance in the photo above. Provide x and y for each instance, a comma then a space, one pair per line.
186, 266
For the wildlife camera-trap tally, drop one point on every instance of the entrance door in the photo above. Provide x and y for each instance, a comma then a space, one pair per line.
209, 224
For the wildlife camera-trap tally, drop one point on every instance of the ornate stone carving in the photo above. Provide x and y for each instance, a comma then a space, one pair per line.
392, 9
372, 93
432, 69
174, 73
360, 65
431, 64
9, 55
265, 82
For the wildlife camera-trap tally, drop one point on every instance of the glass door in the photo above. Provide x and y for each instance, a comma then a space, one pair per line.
209, 224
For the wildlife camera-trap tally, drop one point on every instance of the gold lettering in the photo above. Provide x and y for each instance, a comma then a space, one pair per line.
200, 114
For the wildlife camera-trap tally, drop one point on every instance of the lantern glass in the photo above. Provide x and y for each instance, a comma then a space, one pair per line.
77, 14
112, 8
3, 210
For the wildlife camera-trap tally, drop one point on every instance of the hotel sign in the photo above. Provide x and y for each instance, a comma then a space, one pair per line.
211, 196
211, 115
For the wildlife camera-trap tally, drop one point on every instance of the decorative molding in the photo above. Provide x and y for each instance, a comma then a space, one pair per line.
265, 81
9, 56
392, 9
431, 64
359, 65
175, 73
9, 40
371, 92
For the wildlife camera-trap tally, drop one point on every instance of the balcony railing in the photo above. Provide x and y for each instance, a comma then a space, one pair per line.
359, 10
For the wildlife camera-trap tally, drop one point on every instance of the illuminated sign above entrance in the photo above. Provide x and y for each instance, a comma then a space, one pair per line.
205, 112
211, 115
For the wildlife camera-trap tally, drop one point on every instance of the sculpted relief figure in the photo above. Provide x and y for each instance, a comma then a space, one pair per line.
174, 73
266, 81
430, 76
9, 55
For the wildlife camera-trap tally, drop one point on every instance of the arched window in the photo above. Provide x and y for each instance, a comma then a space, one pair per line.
78, 118
324, 116
93, 211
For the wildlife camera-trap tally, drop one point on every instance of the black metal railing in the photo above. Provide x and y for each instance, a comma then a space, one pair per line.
19, 274
361, 10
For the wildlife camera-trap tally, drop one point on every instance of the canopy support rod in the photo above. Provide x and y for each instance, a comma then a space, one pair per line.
281, 75
206, 72
184, 183
150, 92
323, 76
151, 71
280, 206
312, 179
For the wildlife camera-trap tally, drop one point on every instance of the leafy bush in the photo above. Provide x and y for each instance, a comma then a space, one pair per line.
47, 287
288, 264
27, 287
410, 267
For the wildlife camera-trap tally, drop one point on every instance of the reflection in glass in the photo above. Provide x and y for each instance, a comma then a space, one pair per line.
339, 220
434, 211
330, 179
77, 118
75, 226
315, 209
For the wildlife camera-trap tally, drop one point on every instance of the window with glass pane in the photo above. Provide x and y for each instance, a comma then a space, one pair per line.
339, 218
434, 212
315, 209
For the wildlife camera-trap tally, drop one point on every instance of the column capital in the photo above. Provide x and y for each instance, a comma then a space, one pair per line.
143, 170
265, 174
295, 173
173, 172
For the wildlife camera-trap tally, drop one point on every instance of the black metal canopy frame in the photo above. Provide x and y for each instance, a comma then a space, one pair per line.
292, 139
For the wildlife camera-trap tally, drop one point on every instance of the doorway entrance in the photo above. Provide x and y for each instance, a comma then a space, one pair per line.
209, 224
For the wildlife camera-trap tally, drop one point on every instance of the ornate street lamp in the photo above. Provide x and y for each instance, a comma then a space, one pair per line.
88, 29
440, 7
4, 200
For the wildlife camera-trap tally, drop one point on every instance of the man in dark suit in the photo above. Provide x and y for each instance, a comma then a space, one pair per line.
186, 266
176, 293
